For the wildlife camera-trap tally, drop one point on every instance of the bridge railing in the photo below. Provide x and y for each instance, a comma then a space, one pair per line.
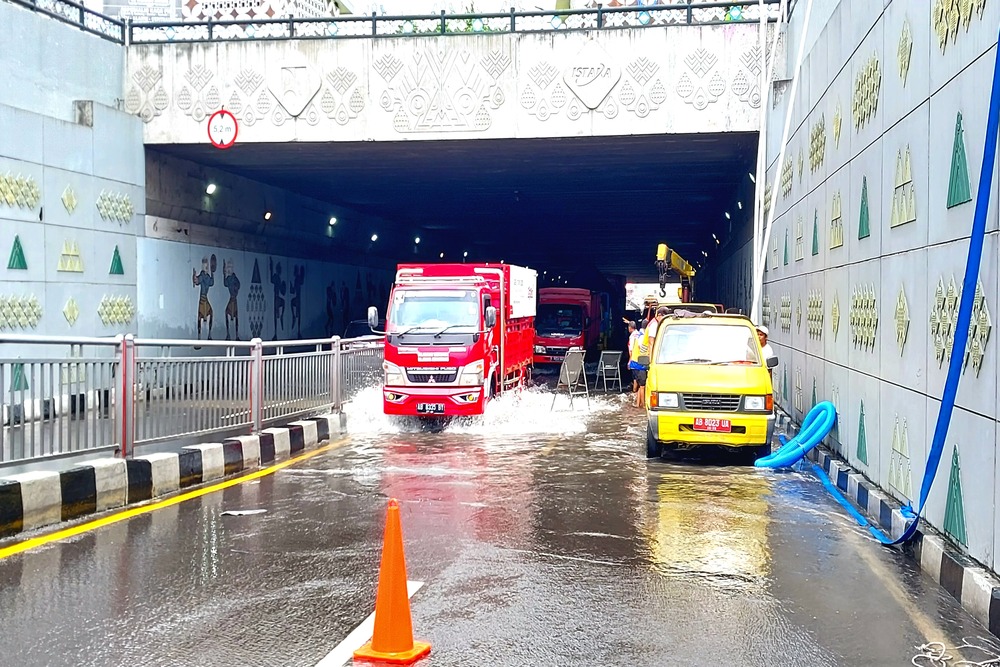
693, 12
70, 11
72, 395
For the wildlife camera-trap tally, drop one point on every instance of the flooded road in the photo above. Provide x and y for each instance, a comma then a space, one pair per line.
542, 538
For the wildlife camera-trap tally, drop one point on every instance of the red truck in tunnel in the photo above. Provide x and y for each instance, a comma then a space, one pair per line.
456, 335
567, 317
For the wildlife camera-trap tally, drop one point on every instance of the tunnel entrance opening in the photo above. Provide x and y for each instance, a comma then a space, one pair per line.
568, 207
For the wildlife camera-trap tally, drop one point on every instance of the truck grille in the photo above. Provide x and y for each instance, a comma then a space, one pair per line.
556, 351
437, 377
712, 402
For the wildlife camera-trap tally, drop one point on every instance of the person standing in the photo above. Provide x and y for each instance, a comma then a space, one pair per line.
638, 349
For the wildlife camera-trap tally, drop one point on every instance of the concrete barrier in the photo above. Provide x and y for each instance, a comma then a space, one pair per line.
37, 499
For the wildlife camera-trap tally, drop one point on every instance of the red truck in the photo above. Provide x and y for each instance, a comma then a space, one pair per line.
456, 335
567, 317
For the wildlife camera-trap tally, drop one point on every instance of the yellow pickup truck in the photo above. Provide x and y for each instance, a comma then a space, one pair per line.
708, 384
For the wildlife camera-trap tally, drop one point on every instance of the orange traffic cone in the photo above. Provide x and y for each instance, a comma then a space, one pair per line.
392, 640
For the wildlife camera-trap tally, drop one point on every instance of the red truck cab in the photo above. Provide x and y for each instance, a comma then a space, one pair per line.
567, 317
456, 335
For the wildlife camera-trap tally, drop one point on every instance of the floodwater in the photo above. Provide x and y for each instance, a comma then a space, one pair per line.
542, 536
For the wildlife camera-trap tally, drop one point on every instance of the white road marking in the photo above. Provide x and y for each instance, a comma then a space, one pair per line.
344, 652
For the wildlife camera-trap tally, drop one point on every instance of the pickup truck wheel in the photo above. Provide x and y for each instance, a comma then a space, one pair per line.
653, 448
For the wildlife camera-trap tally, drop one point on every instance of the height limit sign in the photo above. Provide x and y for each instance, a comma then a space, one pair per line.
222, 129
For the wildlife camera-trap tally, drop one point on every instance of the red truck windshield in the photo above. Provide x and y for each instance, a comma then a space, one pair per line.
434, 309
557, 318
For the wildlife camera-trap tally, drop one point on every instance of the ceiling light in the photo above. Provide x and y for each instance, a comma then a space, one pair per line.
752, 179
739, 204
714, 236
267, 215
465, 254
210, 190
704, 253
441, 255
727, 215
333, 221
416, 240
374, 237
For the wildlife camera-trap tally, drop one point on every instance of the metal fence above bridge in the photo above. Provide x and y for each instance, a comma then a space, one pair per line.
113, 394
681, 13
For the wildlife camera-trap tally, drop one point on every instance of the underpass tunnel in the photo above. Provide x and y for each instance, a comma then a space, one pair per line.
585, 212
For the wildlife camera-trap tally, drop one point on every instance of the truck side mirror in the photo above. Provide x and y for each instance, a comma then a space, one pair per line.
373, 318
587, 323
490, 317
772, 362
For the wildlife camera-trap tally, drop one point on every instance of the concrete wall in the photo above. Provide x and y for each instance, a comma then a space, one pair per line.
315, 273
855, 322
70, 155
628, 81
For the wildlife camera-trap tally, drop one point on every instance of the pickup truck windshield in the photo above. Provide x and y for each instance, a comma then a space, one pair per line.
555, 318
432, 310
707, 344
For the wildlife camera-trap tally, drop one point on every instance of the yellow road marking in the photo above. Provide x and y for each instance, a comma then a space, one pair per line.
42, 540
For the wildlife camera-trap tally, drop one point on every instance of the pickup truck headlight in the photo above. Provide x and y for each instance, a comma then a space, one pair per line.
393, 374
758, 403
662, 399
540, 349
472, 375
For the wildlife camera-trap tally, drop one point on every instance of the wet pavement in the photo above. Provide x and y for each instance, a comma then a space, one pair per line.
542, 538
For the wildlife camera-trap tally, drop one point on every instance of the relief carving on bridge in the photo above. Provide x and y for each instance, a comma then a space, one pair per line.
248, 99
592, 77
645, 92
199, 97
442, 90
702, 89
294, 85
146, 96
342, 99
746, 83
543, 96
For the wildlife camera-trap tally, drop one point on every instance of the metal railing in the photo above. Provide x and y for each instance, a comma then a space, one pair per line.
73, 395
685, 13
75, 13
693, 12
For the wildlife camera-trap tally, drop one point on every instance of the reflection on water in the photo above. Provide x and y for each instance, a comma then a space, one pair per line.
712, 524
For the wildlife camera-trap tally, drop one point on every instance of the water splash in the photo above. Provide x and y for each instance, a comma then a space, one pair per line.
514, 413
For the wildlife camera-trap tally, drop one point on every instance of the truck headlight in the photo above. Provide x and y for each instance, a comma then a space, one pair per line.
540, 349
756, 403
472, 375
393, 374
667, 400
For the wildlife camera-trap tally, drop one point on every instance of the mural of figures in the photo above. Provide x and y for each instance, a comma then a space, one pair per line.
345, 305
204, 280
231, 282
256, 305
298, 277
280, 289
331, 309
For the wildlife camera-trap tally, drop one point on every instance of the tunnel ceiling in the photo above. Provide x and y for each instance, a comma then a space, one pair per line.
556, 203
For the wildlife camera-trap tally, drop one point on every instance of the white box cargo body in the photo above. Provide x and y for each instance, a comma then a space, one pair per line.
523, 291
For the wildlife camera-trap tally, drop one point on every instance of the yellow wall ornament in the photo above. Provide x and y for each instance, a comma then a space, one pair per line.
836, 223
904, 51
817, 144
867, 84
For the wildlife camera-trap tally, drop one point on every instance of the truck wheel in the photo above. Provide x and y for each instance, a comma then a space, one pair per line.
653, 448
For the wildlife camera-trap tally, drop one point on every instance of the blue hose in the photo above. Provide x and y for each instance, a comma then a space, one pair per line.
817, 424
964, 309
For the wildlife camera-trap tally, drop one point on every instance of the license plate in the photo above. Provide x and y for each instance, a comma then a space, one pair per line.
430, 408
713, 425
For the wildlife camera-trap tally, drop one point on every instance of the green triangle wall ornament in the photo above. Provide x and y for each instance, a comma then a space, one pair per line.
862, 439
864, 224
959, 188
17, 261
954, 509
116, 264
18, 381
815, 249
